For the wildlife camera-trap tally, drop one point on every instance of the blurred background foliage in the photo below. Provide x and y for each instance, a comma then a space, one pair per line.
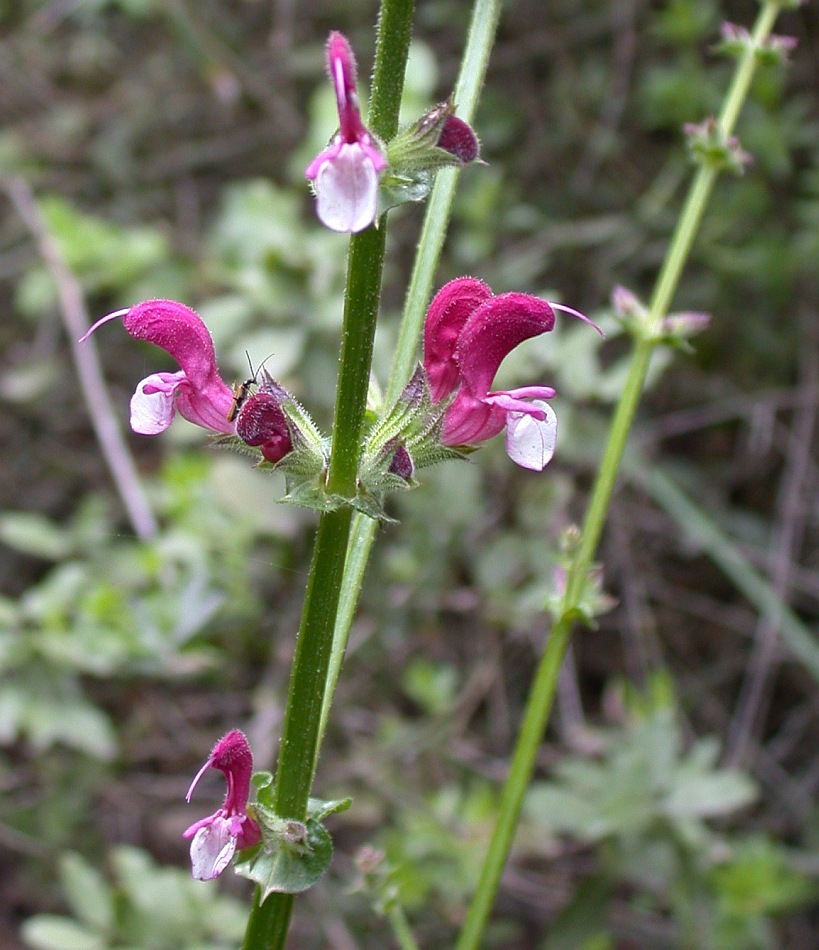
675, 799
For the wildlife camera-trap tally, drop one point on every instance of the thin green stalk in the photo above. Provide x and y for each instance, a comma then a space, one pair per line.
479, 43
542, 692
401, 928
269, 921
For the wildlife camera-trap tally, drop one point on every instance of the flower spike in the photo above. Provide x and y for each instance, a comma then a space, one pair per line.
346, 174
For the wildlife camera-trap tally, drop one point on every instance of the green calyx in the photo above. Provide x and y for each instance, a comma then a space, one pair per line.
292, 855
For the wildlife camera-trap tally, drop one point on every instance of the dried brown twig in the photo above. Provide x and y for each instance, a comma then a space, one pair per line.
86, 360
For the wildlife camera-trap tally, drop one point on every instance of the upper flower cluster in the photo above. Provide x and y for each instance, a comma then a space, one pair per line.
347, 175
467, 334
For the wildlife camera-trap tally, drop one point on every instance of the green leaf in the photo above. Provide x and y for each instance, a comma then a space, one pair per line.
49, 932
318, 809
280, 866
87, 893
33, 534
702, 795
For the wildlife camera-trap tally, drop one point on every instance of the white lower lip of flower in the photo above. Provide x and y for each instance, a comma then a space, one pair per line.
152, 413
347, 190
531, 442
211, 849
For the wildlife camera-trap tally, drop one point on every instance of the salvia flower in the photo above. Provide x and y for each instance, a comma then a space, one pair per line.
197, 392
230, 828
467, 334
346, 174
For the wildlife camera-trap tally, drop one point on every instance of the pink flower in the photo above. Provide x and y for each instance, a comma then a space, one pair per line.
345, 175
197, 391
467, 334
217, 837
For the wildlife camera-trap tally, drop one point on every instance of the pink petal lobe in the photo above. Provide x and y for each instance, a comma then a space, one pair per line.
494, 330
328, 155
449, 310
470, 419
250, 834
208, 408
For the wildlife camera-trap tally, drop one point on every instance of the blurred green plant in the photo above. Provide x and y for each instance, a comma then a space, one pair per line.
647, 805
145, 906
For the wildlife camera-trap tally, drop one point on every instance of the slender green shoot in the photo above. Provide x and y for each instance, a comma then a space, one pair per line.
542, 692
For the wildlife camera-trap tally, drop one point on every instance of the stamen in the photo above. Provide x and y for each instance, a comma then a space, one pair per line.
578, 314
105, 319
199, 775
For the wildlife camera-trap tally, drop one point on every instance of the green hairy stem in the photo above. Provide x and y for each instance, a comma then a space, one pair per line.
269, 921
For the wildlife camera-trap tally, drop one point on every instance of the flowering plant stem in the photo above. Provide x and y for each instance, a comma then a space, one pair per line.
269, 921
485, 15
542, 691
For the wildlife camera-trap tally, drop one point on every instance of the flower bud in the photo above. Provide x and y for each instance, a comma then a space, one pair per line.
262, 423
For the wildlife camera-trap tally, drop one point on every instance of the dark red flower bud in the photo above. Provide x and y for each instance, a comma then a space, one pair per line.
402, 464
262, 423
459, 140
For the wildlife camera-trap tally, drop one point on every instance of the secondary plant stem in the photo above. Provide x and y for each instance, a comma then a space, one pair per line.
485, 15
542, 691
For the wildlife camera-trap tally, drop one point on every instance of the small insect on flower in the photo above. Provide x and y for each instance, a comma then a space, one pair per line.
241, 391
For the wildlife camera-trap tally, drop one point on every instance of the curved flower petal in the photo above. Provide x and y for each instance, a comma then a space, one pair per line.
530, 442
199, 393
347, 190
180, 332
449, 310
493, 330
205, 399
152, 405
